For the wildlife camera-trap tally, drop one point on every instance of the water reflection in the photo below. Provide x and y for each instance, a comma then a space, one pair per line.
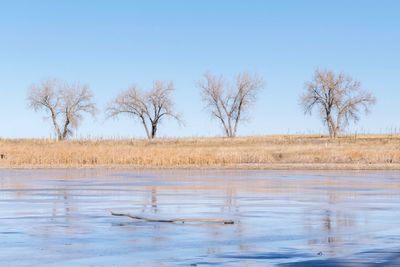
61, 206
300, 215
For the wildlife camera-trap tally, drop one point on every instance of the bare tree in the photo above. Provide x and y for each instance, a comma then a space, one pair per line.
149, 107
65, 103
228, 103
338, 98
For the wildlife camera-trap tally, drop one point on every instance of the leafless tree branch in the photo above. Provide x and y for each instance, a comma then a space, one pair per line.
149, 107
66, 104
229, 103
338, 98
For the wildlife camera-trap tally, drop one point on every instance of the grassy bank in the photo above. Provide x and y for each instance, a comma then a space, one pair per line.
265, 152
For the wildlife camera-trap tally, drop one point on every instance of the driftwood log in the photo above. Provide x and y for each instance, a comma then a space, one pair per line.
175, 220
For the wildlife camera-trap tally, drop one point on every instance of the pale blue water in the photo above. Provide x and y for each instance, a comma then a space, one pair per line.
292, 218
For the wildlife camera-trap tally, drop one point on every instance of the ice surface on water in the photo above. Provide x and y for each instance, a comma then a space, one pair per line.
62, 218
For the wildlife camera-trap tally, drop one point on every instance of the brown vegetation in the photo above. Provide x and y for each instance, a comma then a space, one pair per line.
264, 152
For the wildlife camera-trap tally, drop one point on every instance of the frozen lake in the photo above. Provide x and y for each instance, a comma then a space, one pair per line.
282, 218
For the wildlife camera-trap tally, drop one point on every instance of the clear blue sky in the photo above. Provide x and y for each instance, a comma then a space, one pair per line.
113, 44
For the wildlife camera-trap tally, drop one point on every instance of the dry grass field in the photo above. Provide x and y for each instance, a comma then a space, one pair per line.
264, 152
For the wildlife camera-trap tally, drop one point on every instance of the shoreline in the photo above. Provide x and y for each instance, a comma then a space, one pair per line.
266, 167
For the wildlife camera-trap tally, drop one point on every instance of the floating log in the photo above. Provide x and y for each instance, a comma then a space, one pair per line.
176, 220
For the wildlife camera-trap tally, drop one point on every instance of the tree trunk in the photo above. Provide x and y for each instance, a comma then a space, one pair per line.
55, 125
153, 130
65, 131
331, 126
230, 127
226, 131
146, 128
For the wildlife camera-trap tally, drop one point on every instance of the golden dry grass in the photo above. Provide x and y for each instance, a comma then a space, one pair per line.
264, 152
